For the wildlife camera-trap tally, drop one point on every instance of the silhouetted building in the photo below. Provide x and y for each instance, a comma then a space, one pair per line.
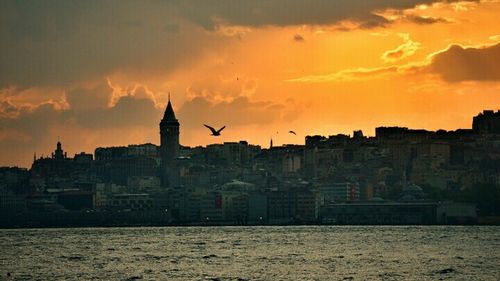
118, 164
59, 153
60, 171
169, 143
325, 180
401, 133
487, 122
14, 179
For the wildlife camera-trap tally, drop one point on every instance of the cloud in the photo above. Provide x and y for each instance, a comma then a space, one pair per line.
454, 64
237, 112
87, 108
290, 12
92, 107
32, 122
127, 112
222, 87
8, 109
372, 21
85, 99
57, 43
171, 27
494, 37
61, 43
458, 63
348, 75
298, 38
408, 48
413, 15
423, 20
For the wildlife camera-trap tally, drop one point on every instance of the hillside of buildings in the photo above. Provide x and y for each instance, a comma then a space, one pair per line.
399, 176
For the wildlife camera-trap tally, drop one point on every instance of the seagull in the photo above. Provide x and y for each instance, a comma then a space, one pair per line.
214, 131
292, 132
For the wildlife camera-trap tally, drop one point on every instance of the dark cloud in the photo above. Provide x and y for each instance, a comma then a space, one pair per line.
33, 122
298, 38
129, 111
58, 43
209, 13
169, 27
89, 108
412, 17
425, 20
467, 64
7, 108
82, 100
373, 21
239, 111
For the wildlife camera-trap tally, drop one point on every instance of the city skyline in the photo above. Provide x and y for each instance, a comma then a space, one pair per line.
169, 114
334, 179
98, 74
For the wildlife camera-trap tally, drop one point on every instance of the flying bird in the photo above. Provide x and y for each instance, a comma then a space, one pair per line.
292, 132
214, 131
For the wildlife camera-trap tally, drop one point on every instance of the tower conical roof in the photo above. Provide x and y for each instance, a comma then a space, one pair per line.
169, 112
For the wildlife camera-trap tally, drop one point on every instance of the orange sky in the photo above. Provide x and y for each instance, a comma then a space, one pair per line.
99, 74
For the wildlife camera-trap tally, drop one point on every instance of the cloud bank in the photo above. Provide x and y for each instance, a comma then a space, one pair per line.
458, 63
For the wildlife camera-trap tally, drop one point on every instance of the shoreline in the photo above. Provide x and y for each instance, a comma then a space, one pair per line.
77, 219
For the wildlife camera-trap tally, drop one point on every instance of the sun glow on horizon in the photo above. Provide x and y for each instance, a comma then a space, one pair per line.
103, 78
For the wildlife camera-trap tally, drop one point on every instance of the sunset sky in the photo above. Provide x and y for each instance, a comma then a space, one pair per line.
98, 73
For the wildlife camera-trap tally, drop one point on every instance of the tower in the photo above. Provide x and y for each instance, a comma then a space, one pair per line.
58, 153
169, 142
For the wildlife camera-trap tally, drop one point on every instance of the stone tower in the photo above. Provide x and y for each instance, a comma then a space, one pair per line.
169, 143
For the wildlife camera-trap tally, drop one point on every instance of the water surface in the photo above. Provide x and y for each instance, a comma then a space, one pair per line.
252, 253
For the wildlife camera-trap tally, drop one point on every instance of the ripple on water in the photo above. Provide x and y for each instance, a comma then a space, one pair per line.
252, 253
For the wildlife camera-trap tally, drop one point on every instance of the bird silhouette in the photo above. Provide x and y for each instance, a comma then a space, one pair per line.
292, 132
214, 131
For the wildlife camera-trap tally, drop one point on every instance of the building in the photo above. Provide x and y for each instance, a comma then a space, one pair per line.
338, 192
487, 122
11, 202
379, 212
61, 171
387, 212
169, 144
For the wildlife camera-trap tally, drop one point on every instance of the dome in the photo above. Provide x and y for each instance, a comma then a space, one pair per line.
408, 197
236, 185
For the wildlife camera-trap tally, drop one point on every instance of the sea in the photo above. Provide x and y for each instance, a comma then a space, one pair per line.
252, 253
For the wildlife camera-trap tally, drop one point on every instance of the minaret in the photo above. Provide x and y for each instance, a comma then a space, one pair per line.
169, 142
